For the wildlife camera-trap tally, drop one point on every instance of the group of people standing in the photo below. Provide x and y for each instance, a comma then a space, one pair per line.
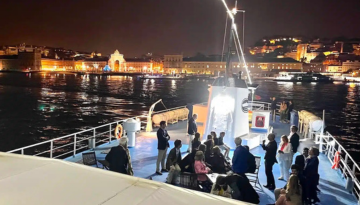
302, 184
205, 158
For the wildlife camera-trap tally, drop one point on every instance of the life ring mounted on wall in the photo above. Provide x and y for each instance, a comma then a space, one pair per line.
118, 131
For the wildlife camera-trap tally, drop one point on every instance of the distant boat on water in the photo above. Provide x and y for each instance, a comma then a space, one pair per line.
303, 77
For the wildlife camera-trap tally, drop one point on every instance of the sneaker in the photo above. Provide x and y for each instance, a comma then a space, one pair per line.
280, 178
164, 170
158, 173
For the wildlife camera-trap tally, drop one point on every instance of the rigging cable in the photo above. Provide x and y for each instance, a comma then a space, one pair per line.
223, 49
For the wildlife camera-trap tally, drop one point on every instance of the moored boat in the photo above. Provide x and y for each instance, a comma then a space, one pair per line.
303, 77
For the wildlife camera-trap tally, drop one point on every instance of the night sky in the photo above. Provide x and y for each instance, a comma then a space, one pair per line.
136, 27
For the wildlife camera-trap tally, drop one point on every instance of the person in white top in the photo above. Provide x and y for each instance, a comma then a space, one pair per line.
285, 157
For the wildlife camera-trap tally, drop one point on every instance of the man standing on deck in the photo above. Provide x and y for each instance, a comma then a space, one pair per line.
192, 129
294, 139
163, 145
270, 160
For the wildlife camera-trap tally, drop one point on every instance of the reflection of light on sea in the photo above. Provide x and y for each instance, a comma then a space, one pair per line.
173, 84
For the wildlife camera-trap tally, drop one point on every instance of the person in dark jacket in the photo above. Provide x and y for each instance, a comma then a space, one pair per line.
218, 162
209, 146
163, 144
294, 139
251, 161
300, 160
187, 163
192, 129
311, 174
242, 189
119, 158
240, 158
270, 160
173, 162
223, 146
196, 141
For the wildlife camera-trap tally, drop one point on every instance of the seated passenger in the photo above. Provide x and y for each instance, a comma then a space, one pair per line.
173, 161
209, 146
242, 189
187, 163
196, 141
223, 146
218, 162
293, 193
220, 188
215, 139
119, 158
202, 169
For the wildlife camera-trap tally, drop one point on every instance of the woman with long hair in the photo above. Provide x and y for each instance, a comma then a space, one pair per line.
293, 193
195, 143
285, 157
215, 139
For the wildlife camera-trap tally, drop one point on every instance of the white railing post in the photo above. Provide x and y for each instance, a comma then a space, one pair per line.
74, 146
22, 151
109, 133
94, 133
51, 148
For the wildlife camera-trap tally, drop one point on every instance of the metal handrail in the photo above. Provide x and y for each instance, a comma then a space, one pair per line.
331, 146
75, 139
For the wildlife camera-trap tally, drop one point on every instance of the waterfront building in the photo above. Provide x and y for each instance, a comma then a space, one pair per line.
351, 65
23, 61
213, 65
334, 68
139, 65
50, 64
314, 67
173, 63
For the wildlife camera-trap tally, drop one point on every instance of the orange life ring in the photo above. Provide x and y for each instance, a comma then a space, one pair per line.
336, 160
118, 131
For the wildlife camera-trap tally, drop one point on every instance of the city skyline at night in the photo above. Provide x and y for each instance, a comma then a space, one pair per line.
167, 27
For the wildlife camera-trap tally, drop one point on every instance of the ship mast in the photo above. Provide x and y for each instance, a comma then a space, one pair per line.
234, 39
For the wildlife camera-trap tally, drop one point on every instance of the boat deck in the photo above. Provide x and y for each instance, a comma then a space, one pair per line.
144, 156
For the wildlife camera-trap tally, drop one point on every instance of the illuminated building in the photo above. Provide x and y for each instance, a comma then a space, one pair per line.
49, 64
263, 49
173, 63
351, 65
23, 61
301, 51
334, 68
138, 65
213, 65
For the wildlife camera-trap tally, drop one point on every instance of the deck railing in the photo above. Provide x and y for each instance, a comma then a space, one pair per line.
70, 145
347, 165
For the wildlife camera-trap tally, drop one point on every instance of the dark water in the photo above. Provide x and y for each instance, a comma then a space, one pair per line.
38, 107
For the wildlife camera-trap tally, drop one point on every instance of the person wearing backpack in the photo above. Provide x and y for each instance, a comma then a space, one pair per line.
250, 161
